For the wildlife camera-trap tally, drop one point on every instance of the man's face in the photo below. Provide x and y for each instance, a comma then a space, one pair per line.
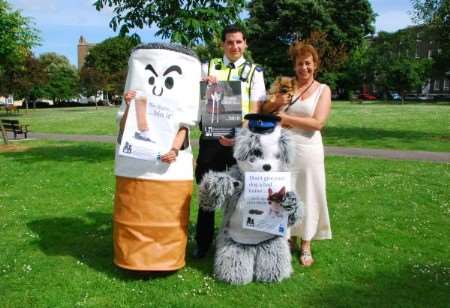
234, 46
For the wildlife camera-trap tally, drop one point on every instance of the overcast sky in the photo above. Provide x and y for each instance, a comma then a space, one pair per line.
61, 22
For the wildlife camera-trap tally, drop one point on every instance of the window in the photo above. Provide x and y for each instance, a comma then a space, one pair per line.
436, 85
446, 84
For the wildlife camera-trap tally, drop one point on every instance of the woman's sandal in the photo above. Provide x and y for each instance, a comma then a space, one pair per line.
306, 258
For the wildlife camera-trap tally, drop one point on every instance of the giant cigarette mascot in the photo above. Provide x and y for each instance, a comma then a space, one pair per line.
152, 197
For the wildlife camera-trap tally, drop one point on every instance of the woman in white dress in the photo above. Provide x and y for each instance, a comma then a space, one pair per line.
305, 114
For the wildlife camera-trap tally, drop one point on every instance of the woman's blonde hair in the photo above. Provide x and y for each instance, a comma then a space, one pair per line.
299, 49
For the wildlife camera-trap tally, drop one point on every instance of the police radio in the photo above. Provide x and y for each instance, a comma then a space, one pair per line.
245, 72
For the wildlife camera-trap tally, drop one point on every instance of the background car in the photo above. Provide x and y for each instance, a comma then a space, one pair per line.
394, 96
367, 97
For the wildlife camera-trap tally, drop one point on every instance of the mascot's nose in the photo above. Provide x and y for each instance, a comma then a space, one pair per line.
267, 167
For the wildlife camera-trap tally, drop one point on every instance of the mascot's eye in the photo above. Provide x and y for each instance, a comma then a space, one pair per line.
169, 82
277, 156
256, 153
252, 159
151, 80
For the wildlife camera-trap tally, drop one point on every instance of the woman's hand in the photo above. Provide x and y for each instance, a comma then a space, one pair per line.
282, 100
170, 156
129, 95
284, 119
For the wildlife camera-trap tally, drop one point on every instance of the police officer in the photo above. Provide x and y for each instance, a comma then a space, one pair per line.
217, 155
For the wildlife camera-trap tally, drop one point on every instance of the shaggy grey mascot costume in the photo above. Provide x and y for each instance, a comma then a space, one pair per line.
244, 255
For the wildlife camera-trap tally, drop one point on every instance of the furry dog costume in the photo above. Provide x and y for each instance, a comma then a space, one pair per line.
244, 255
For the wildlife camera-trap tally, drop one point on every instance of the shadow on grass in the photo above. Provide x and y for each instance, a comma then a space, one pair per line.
364, 133
416, 285
89, 240
64, 152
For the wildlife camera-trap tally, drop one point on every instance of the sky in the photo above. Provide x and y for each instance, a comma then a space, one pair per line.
62, 22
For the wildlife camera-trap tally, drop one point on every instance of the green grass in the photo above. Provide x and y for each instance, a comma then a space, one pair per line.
389, 222
408, 127
77, 120
373, 125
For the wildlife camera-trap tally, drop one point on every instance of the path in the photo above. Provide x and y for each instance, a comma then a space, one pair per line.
329, 150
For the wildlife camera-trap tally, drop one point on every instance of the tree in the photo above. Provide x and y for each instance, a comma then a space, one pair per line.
273, 25
62, 77
392, 65
106, 66
435, 15
406, 75
186, 22
17, 37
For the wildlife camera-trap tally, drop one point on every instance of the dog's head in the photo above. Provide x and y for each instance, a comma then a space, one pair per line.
283, 85
263, 152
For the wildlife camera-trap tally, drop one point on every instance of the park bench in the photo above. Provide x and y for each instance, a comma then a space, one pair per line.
9, 108
15, 127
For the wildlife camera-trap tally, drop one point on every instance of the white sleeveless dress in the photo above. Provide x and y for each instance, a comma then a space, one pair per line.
308, 174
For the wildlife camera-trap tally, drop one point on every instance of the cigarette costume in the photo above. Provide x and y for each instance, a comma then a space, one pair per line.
152, 198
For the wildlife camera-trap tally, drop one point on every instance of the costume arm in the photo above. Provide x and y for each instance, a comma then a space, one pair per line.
217, 188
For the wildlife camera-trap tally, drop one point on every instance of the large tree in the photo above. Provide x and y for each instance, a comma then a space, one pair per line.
17, 37
392, 65
187, 22
435, 15
62, 77
106, 66
340, 26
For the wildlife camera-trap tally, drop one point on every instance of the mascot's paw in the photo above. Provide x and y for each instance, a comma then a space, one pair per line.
234, 263
215, 188
273, 261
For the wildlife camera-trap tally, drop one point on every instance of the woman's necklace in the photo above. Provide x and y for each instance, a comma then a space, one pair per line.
300, 95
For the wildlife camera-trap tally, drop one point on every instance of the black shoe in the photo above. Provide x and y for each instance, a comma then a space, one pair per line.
200, 253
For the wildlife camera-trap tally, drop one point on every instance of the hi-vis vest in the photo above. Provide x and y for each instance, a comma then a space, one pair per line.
243, 73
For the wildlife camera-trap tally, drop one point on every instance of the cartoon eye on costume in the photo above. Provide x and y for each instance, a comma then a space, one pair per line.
168, 82
277, 156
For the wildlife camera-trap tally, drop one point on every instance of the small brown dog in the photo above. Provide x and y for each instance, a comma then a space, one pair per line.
281, 85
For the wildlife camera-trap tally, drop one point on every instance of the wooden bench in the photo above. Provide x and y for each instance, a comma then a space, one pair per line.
15, 127
11, 108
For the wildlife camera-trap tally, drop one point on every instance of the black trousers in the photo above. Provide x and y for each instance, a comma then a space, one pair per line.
212, 156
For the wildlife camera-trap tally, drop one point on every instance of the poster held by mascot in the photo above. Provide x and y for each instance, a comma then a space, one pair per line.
152, 197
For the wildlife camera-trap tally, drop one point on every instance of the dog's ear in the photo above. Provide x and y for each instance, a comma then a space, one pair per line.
286, 148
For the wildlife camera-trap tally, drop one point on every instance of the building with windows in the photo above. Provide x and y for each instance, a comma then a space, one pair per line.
437, 85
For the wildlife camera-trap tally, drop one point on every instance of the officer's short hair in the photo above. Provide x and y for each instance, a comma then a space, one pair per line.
233, 29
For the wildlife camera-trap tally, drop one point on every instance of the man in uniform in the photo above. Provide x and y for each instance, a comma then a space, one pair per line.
217, 155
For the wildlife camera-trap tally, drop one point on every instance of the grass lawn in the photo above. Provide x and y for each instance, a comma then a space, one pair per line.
389, 220
406, 127
409, 127
77, 120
